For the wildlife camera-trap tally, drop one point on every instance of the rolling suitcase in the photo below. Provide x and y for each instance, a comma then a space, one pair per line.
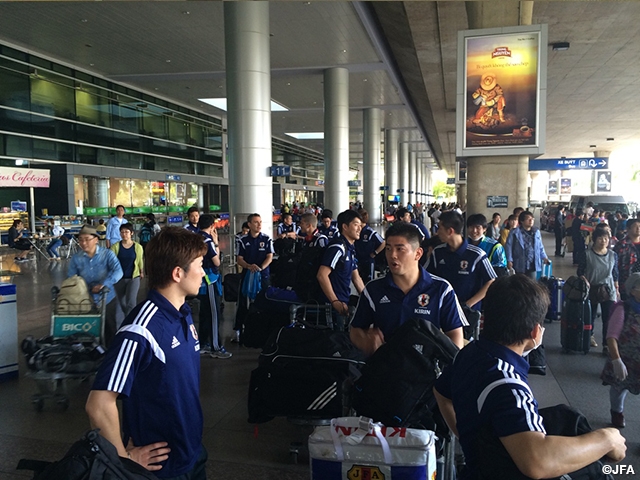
576, 327
554, 285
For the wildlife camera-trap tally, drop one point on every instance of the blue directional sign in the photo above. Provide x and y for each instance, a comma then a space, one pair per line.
593, 163
354, 183
280, 170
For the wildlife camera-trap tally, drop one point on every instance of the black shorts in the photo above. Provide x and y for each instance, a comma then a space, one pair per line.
22, 245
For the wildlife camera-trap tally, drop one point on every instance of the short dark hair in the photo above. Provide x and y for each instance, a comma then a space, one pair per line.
477, 219
512, 217
126, 226
406, 230
284, 216
346, 217
401, 212
309, 218
518, 210
327, 213
172, 247
453, 220
245, 225
120, 206
364, 214
205, 221
252, 216
513, 306
600, 232
631, 222
496, 214
523, 215
192, 209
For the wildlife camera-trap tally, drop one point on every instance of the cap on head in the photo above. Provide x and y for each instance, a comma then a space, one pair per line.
88, 230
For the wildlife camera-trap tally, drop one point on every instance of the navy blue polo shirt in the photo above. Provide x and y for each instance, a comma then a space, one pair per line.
255, 251
207, 262
385, 305
467, 269
421, 227
487, 384
316, 240
340, 257
330, 232
192, 228
284, 228
368, 242
154, 364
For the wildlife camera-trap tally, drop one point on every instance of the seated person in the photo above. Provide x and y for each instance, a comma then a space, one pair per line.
101, 229
17, 241
486, 400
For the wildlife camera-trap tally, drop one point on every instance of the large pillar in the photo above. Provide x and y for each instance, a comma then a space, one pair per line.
248, 66
371, 187
391, 162
336, 139
419, 189
403, 173
98, 192
497, 175
412, 177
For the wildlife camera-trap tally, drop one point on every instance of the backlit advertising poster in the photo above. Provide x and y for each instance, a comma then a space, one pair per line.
499, 107
565, 186
553, 187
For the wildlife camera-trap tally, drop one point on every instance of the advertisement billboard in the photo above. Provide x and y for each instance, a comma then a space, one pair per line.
501, 91
603, 182
565, 186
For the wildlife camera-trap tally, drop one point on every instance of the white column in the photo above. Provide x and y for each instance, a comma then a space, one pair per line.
371, 183
403, 173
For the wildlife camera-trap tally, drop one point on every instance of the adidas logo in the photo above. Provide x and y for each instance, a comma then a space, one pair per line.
385, 300
419, 348
441, 262
174, 342
337, 354
324, 398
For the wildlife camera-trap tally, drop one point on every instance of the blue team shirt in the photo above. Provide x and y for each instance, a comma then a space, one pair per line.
330, 232
207, 261
487, 384
341, 258
255, 251
467, 269
154, 364
192, 228
284, 228
384, 305
421, 227
494, 250
368, 242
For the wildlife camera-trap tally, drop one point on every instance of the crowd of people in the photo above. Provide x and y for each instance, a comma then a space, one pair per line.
435, 272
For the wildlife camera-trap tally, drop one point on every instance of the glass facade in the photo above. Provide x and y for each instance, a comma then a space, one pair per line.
51, 112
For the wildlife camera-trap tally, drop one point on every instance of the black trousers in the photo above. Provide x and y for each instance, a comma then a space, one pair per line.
559, 236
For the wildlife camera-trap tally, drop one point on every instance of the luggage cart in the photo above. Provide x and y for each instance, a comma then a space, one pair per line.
58, 358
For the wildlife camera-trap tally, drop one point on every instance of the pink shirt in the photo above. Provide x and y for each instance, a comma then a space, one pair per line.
616, 321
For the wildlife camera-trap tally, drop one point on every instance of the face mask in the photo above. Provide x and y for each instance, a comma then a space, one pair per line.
535, 345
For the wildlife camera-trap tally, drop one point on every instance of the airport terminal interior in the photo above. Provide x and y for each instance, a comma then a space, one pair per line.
236, 448
125, 102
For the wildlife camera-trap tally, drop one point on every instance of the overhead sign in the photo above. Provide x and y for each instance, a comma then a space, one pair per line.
384, 188
354, 183
400, 190
594, 163
280, 170
497, 201
24, 177
173, 178
451, 181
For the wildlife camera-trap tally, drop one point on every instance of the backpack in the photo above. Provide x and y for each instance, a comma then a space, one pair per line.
576, 288
146, 232
73, 297
91, 458
306, 285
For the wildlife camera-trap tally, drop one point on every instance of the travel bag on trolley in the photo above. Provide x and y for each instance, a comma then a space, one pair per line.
357, 448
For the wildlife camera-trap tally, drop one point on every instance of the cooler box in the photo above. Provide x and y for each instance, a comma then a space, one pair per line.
356, 448
8, 332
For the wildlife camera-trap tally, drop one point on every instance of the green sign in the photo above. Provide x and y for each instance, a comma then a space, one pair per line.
90, 211
215, 208
159, 209
141, 210
175, 209
103, 211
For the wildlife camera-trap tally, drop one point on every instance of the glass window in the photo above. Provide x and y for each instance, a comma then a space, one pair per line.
153, 122
140, 193
119, 192
53, 95
92, 107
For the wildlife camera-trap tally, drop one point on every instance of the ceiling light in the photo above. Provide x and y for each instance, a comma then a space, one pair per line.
560, 46
344, 51
168, 61
221, 103
610, 139
364, 80
288, 84
186, 13
84, 20
306, 135
592, 146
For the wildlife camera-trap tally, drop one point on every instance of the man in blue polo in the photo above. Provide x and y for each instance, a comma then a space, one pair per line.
408, 291
327, 226
404, 215
339, 267
113, 226
367, 246
153, 365
255, 254
465, 266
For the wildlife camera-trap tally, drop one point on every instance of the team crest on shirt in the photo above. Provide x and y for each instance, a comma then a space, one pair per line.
464, 264
192, 327
261, 244
423, 299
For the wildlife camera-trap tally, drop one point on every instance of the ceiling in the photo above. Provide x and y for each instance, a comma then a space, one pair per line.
175, 50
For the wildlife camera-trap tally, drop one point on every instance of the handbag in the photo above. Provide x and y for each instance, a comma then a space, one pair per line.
600, 292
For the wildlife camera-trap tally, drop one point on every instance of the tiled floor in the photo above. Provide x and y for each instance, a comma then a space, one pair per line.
236, 449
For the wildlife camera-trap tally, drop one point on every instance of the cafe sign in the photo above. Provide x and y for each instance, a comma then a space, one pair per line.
24, 177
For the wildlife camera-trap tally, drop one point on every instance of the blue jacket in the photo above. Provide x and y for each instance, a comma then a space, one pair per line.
515, 250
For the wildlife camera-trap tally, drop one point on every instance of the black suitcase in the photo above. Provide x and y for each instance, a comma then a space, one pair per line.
306, 372
260, 324
576, 326
284, 270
